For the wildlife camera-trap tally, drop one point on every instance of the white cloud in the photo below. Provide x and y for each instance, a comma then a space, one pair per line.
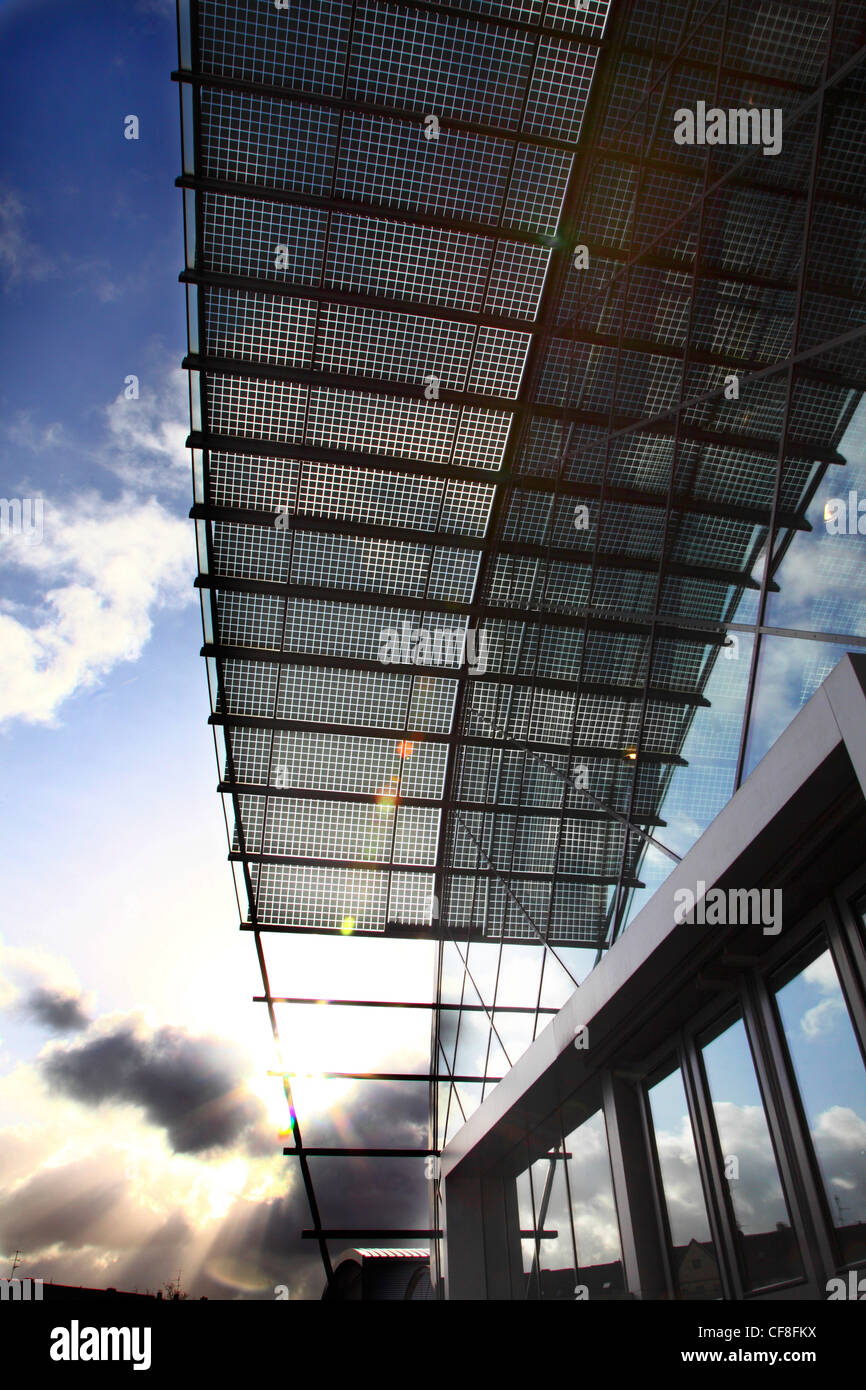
22, 432
20, 258
146, 447
843, 1127
822, 972
103, 570
819, 1021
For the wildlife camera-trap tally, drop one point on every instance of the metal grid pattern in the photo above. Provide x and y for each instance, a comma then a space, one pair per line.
410, 394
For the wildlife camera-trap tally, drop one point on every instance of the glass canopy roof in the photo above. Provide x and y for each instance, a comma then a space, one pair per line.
506, 408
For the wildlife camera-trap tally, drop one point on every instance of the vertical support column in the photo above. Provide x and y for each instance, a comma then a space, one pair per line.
632, 1185
482, 1239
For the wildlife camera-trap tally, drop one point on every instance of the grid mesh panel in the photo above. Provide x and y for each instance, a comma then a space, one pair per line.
628, 498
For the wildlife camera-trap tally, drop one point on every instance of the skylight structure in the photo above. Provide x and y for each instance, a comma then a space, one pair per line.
507, 406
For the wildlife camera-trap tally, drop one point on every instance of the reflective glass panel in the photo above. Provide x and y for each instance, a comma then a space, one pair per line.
693, 1253
828, 1066
768, 1246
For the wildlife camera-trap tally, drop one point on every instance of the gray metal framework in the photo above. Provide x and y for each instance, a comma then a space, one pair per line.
556, 388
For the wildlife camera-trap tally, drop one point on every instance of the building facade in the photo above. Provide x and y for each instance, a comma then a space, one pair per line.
691, 1124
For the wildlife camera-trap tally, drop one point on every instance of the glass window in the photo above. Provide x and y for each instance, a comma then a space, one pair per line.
768, 1247
570, 1203
693, 1252
543, 1202
593, 1210
828, 1066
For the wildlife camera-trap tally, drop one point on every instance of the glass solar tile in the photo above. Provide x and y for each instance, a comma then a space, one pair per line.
461, 176
252, 237
251, 41
421, 60
259, 140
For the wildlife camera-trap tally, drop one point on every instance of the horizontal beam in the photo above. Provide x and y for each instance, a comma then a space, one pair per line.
292, 449
296, 451
383, 866
648, 347
286, 289
356, 530
291, 861
308, 1152
481, 808
539, 614
398, 931
382, 212
303, 522
402, 1004
712, 272
525, 482
387, 598
395, 389
270, 656
426, 1077
368, 1233
408, 115
262, 721
683, 169
629, 694
390, 387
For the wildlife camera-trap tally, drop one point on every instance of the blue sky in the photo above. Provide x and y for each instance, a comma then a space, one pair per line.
118, 895
140, 1132
107, 744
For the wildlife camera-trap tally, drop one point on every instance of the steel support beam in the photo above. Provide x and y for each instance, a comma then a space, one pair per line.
363, 1153
371, 1233
397, 931
353, 105
418, 308
486, 808
381, 212
253, 721
351, 530
393, 389
648, 347
524, 484
379, 598
398, 1004
714, 273
627, 693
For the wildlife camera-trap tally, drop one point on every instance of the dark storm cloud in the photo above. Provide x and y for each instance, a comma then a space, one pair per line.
192, 1087
69, 1207
351, 1193
60, 1013
84, 1222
